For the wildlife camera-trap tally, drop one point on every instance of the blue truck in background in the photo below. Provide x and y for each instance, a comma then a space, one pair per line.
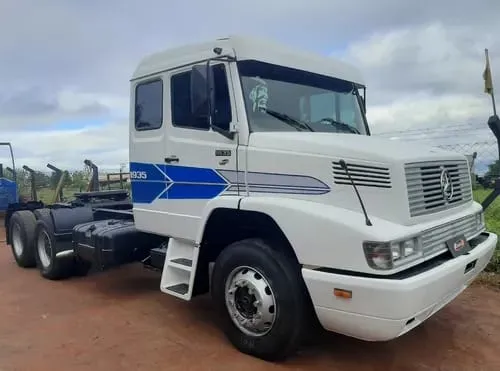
8, 185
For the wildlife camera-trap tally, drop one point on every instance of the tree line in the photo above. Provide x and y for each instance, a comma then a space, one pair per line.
75, 180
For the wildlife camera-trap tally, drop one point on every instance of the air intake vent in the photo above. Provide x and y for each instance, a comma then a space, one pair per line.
362, 175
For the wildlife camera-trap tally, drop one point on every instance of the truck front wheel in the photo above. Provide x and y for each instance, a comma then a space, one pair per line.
259, 292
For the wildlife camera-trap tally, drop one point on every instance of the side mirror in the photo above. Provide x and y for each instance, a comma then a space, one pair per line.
203, 97
202, 92
494, 125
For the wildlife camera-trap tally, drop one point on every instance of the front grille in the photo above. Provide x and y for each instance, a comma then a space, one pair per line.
434, 240
425, 193
362, 175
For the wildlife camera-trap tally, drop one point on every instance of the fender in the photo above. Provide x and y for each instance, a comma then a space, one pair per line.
226, 202
324, 234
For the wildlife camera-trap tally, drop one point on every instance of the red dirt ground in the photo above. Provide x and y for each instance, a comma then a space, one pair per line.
119, 320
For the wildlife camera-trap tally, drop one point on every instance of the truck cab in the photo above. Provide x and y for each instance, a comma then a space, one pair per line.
257, 162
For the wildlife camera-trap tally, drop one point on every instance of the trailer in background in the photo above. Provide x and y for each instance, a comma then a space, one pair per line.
8, 186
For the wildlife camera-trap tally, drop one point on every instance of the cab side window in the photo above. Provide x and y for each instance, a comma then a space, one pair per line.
180, 91
149, 105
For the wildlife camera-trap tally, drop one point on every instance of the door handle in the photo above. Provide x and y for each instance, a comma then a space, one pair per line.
171, 159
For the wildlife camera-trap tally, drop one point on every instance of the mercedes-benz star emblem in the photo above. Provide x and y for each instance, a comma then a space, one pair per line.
446, 185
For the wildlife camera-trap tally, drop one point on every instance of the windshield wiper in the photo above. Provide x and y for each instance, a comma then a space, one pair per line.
342, 125
288, 119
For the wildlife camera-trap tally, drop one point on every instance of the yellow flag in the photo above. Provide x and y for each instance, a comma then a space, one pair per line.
488, 81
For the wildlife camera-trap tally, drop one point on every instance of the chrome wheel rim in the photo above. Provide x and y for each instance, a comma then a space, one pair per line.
17, 241
250, 301
44, 246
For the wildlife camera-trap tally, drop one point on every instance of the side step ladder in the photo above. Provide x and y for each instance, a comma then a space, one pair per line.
177, 278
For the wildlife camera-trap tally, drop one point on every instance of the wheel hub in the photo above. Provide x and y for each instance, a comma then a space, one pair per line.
244, 302
250, 301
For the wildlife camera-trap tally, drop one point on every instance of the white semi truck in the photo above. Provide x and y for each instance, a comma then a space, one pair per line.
254, 177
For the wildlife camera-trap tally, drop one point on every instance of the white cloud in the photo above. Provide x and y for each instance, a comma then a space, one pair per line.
107, 146
425, 110
73, 101
429, 75
425, 85
32, 108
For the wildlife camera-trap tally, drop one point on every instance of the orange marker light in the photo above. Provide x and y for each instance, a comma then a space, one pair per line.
344, 294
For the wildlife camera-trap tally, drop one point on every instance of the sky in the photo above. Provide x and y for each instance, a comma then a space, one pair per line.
65, 65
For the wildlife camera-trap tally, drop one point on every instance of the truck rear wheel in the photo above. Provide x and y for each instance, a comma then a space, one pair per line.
50, 266
262, 300
78, 267
22, 235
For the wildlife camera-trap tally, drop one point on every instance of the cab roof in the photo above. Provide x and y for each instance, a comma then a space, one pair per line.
247, 48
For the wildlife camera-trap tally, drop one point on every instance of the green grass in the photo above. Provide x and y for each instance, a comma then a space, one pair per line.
492, 217
46, 194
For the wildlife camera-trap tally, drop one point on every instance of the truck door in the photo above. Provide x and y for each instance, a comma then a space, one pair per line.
196, 157
146, 150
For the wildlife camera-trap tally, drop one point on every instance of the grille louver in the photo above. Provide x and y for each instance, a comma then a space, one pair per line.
423, 181
434, 240
362, 175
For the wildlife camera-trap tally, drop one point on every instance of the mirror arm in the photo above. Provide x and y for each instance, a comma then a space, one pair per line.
364, 98
225, 133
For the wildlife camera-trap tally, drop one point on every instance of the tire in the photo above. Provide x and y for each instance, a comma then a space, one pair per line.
77, 267
22, 234
50, 266
80, 267
283, 300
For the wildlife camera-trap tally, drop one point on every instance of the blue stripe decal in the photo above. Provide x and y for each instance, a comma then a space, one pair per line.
158, 181
183, 174
146, 192
154, 172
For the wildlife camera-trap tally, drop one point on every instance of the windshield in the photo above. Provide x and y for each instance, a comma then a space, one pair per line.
279, 98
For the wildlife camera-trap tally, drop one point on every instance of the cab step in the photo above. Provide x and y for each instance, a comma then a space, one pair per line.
179, 269
181, 288
183, 261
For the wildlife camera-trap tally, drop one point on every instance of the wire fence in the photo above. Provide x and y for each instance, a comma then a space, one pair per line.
474, 141
43, 185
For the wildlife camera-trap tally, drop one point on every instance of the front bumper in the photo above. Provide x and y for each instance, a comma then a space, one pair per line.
382, 309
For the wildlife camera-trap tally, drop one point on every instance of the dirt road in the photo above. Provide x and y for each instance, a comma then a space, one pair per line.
119, 320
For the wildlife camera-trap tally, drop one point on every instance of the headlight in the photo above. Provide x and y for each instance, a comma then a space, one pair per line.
389, 255
480, 220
